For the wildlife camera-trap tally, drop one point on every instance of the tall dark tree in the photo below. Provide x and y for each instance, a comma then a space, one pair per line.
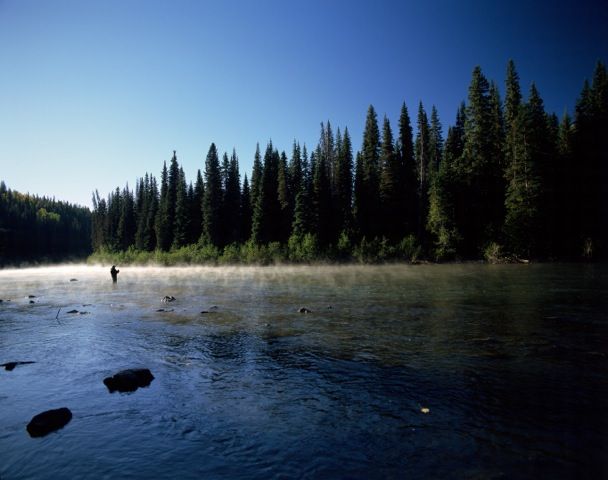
445, 207
423, 163
163, 223
389, 184
524, 206
232, 201
196, 208
481, 170
181, 223
212, 200
344, 184
407, 217
246, 211
267, 209
367, 185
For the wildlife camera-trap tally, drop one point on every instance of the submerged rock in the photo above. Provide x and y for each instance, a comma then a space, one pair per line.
10, 366
49, 421
31, 296
73, 279
32, 301
168, 299
304, 310
72, 311
129, 380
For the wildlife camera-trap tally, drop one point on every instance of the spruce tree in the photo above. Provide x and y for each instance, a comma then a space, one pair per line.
162, 223
182, 210
212, 200
367, 185
389, 186
246, 211
423, 163
265, 227
344, 184
407, 216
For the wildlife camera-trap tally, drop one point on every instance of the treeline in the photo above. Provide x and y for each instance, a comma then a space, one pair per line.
34, 229
509, 180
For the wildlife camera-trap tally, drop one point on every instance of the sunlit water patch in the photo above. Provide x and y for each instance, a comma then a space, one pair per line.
438, 371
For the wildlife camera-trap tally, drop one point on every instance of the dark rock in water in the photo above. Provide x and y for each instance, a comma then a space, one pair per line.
164, 310
0, 300
204, 312
32, 301
72, 311
214, 307
49, 421
168, 298
304, 310
10, 366
129, 380
73, 279
31, 296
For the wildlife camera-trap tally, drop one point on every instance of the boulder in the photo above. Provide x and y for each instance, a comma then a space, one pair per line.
304, 310
73, 279
49, 421
73, 311
168, 299
129, 380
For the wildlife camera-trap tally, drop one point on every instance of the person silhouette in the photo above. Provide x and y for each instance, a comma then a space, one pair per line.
114, 273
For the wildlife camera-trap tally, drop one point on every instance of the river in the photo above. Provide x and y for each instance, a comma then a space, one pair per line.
397, 371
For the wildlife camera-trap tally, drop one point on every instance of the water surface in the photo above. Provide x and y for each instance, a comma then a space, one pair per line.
511, 361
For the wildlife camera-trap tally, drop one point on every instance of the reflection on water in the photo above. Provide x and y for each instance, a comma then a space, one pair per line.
511, 362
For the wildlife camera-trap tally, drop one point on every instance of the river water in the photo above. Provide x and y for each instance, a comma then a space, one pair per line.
511, 362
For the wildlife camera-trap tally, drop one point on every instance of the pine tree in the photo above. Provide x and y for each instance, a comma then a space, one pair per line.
321, 202
344, 184
267, 209
389, 184
232, 201
407, 216
246, 211
367, 185
481, 170
524, 205
423, 163
196, 209
284, 195
256, 176
182, 210
212, 200
163, 237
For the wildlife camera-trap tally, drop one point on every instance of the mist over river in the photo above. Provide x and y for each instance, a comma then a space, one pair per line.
509, 362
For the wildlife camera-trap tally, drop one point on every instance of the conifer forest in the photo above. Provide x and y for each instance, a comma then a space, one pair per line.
508, 181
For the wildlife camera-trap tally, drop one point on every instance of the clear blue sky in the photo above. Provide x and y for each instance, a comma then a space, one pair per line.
94, 94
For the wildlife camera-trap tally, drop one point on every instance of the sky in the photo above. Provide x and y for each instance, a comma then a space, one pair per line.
93, 94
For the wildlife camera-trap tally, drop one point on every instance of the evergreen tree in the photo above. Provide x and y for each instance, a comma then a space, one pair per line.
367, 185
232, 201
389, 186
246, 211
181, 222
321, 203
524, 182
481, 170
444, 196
267, 209
256, 177
284, 195
163, 225
212, 200
196, 208
344, 184
423, 162
407, 216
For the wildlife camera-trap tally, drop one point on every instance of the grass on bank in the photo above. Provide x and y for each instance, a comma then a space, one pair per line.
299, 249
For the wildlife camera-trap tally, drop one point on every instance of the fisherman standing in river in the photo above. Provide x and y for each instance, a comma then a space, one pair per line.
114, 273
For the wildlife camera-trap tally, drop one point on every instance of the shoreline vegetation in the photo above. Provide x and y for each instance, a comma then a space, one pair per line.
297, 252
510, 183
